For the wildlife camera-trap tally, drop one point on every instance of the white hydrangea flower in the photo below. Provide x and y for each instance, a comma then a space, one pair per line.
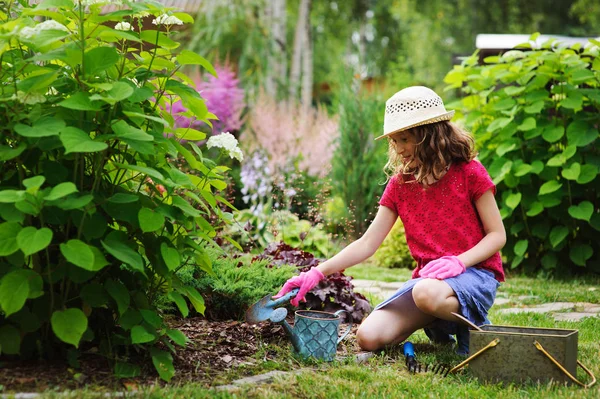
141, 14
30, 98
165, 19
227, 142
28, 33
123, 26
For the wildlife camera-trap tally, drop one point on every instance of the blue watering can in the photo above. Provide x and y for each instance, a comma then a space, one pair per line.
314, 334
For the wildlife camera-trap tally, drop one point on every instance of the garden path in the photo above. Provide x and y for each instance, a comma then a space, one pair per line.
561, 311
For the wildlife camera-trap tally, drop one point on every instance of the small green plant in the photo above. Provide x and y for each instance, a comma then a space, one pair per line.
94, 219
394, 252
535, 115
236, 284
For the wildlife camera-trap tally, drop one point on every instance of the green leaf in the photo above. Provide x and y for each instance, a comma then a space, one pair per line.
14, 291
523, 169
170, 255
572, 172
582, 211
498, 124
187, 57
196, 299
43, 127
32, 240
587, 174
155, 37
7, 153
130, 319
553, 133
72, 202
152, 318
595, 221
69, 325
189, 134
32, 184
549, 261
81, 102
177, 336
119, 92
504, 148
549, 187
141, 169
8, 238
11, 196
150, 220
180, 302
61, 190
47, 4
78, 253
76, 140
581, 75
535, 209
163, 363
513, 200
528, 124
535, 108
126, 370
100, 59
10, 340
121, 198
521, 247
119, 293
125, 131
139, 335
580, 254
185, 207
116, 247
558, 234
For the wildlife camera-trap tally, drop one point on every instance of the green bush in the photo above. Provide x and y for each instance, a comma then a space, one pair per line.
393, 252
94, 219
235, 284
535, 114
358, 161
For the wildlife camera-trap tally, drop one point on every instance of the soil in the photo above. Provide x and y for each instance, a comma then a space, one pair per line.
215, 348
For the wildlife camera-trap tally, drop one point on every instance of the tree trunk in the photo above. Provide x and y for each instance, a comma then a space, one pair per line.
307, 62
299, 38
275, 19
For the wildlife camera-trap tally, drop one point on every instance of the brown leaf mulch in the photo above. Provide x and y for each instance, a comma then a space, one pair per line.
215, 348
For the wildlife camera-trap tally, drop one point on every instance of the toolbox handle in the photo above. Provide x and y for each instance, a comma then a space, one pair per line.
473, 356
574, 379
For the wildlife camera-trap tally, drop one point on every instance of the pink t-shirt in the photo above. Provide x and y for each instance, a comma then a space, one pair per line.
442, 219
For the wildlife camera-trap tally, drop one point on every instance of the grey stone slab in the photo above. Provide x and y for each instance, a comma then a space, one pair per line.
255, 380
573, 316
501, 301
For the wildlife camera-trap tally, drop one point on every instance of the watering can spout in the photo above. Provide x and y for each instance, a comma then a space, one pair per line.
296, 340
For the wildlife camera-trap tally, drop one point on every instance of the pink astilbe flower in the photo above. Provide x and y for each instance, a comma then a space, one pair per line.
287, 131
225, 98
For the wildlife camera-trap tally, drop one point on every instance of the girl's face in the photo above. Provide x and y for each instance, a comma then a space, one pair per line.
405, 143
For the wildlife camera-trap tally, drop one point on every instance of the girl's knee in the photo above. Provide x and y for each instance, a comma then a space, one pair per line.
428, 295
367, 338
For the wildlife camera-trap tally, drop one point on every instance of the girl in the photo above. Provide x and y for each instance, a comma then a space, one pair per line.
445, 199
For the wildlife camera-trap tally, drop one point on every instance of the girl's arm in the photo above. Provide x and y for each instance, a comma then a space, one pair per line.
495, 235
365, 246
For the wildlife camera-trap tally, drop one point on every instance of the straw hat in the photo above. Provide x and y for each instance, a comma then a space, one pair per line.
413, 106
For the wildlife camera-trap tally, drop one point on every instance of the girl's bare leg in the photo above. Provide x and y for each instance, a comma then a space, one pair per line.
392, 324
395, 322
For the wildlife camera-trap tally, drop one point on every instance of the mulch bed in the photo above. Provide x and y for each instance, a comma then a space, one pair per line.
215, 348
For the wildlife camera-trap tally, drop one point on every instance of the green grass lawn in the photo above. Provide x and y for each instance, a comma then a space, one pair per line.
385, 375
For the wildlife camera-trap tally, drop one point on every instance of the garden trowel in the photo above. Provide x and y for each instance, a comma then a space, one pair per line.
265, 309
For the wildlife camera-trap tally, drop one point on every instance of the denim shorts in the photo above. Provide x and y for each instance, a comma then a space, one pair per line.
475, 290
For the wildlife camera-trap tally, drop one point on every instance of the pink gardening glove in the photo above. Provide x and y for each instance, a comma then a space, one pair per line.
306, 281
442, 268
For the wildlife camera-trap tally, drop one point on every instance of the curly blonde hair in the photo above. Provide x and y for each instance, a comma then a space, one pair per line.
438, 145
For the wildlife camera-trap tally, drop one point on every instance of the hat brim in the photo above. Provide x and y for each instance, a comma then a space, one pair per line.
440, 118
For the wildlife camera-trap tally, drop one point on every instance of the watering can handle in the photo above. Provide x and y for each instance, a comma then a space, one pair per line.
349, 325
286, 298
